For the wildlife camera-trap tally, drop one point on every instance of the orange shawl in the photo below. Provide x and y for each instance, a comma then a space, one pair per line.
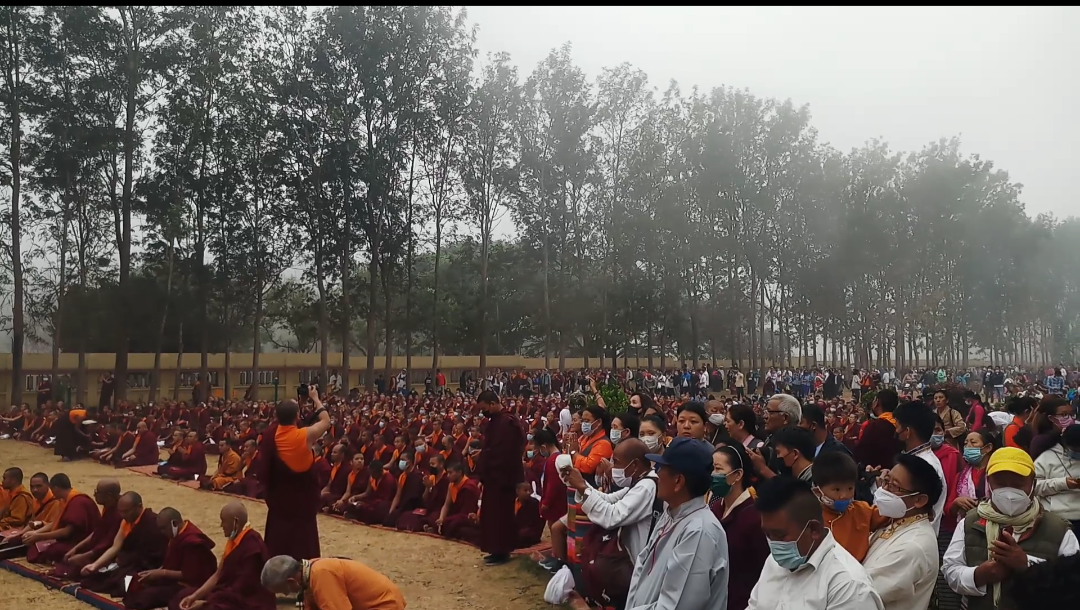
293, 449
231, 544
125, 527
455, 488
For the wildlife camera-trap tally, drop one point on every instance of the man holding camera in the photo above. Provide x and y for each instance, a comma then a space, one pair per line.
291, 485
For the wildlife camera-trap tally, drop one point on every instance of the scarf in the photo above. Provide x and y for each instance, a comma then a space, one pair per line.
994, 522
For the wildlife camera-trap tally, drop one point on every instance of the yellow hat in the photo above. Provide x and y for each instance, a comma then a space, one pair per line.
1011, 459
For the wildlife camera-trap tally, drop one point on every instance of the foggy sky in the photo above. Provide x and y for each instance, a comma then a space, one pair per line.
1003, 79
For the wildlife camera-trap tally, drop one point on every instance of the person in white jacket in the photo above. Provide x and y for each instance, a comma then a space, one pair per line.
629, 508
1057, 472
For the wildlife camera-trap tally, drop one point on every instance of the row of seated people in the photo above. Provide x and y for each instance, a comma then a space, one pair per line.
125, 550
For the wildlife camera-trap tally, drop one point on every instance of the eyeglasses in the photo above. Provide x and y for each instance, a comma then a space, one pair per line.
893, 486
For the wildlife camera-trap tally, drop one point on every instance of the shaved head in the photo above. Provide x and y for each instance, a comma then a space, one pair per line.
630, 449
169, 514
235, 510
109, 486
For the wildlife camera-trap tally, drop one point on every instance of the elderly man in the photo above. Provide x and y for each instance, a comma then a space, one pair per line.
235, 584
189, 561
139, 545
106, 494
793, 523
684, 564
144, 451
334, 584
782, 411
1004, 535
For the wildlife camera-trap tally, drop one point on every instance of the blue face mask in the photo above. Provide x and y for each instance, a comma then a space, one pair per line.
786, 554
402, 464
837, 505
529, 454
586, 428
937, 440
973, 455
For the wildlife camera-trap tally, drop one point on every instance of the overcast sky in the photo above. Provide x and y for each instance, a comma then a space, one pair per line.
1006, 80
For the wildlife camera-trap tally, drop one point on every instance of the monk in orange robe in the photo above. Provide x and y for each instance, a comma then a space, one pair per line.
107, 495
189, 561
144, 452
230, 468
409, 495
139, 545
435, 486
357, 485
20, 503
236, 584
374, 504
462, 498
290, 483
339, 478
249, 484
76, 521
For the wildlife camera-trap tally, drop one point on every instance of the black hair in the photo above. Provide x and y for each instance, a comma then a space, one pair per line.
1020, 405
789, 494
599, 415
646, 401
738, 458
375, 465
60, 481
887, 399
744, 414
1048, 407
797, 439
488, 397
455, 466
813, 414
924, 477
917, 417
1057, 579
629, 421
694, 407
543, 436
1070, 437
834, 467
655, 420
16, 473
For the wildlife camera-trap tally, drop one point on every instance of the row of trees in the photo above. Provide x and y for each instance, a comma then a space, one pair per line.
170, 170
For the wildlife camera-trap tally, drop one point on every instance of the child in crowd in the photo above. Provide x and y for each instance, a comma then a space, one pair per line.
851, 521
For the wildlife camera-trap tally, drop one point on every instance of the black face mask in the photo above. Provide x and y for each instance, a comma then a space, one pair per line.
433, 470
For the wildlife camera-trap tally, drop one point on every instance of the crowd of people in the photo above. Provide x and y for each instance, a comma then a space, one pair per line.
792, 494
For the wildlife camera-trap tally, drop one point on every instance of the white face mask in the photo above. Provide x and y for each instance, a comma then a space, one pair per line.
236, 530
175, 528
616, 436
716, 419
1010, 500
651, 442
620, 478
889, 504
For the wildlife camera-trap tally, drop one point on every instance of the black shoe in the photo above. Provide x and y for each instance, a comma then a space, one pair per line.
496, 560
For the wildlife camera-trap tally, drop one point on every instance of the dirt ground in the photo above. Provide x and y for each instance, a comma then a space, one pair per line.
432, 574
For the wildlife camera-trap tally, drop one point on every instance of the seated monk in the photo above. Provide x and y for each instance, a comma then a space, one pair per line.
139, 545
358, 482
107, 494
339, 478
46, 511
189, 561
192, 463
229, 470
410, 490
144, 451
435, 486
462, 499
373, 505
77, 519
527, 521
175, 448
124, 442
20, 502
236, 583
249, 484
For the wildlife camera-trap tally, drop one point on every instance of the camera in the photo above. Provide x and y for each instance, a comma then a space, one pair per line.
302, 391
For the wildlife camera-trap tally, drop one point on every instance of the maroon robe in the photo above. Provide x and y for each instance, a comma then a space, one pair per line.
292, 504
413, 521
142, 549
500, 470
878, 446
322, 470
412, 497
146, 450
457, 524
191, 553
100, 541
82, 515
127, 441
530, 527
373, 509
239, 586
191, 465
338, 485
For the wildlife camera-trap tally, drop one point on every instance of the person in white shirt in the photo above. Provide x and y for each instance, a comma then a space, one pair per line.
914, 426
1057, 476
806, 569
903, 558
566, 419
1003, 536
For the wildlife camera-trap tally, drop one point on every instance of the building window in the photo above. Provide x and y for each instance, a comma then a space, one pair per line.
245, 377
187, 378
138, 380
310, 375
32, 382
265, 377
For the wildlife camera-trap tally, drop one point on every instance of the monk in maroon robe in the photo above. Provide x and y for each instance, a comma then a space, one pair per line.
435, 485
290, 483
373, 506
144, 452
409, 495
139, 546
499, 470
249, 484
529, 525
357, 484
77, 520
107, 494
189, 561
236, 584
462, 500
192, 462
339, 478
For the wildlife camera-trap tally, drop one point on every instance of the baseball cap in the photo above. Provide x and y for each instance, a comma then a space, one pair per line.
686, 456
1011, 459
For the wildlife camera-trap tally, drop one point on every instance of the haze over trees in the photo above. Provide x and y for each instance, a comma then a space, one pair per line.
216, 179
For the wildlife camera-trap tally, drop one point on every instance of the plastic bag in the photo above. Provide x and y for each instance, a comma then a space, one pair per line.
559, 587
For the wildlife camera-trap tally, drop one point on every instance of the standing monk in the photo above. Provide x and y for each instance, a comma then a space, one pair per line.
499, 471
189, 561
236, 584
20, 505
77, 520
138, 546
107, 494
291, 486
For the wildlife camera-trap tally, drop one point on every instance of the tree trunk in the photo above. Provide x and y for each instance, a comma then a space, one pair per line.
155, 377
179, 362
